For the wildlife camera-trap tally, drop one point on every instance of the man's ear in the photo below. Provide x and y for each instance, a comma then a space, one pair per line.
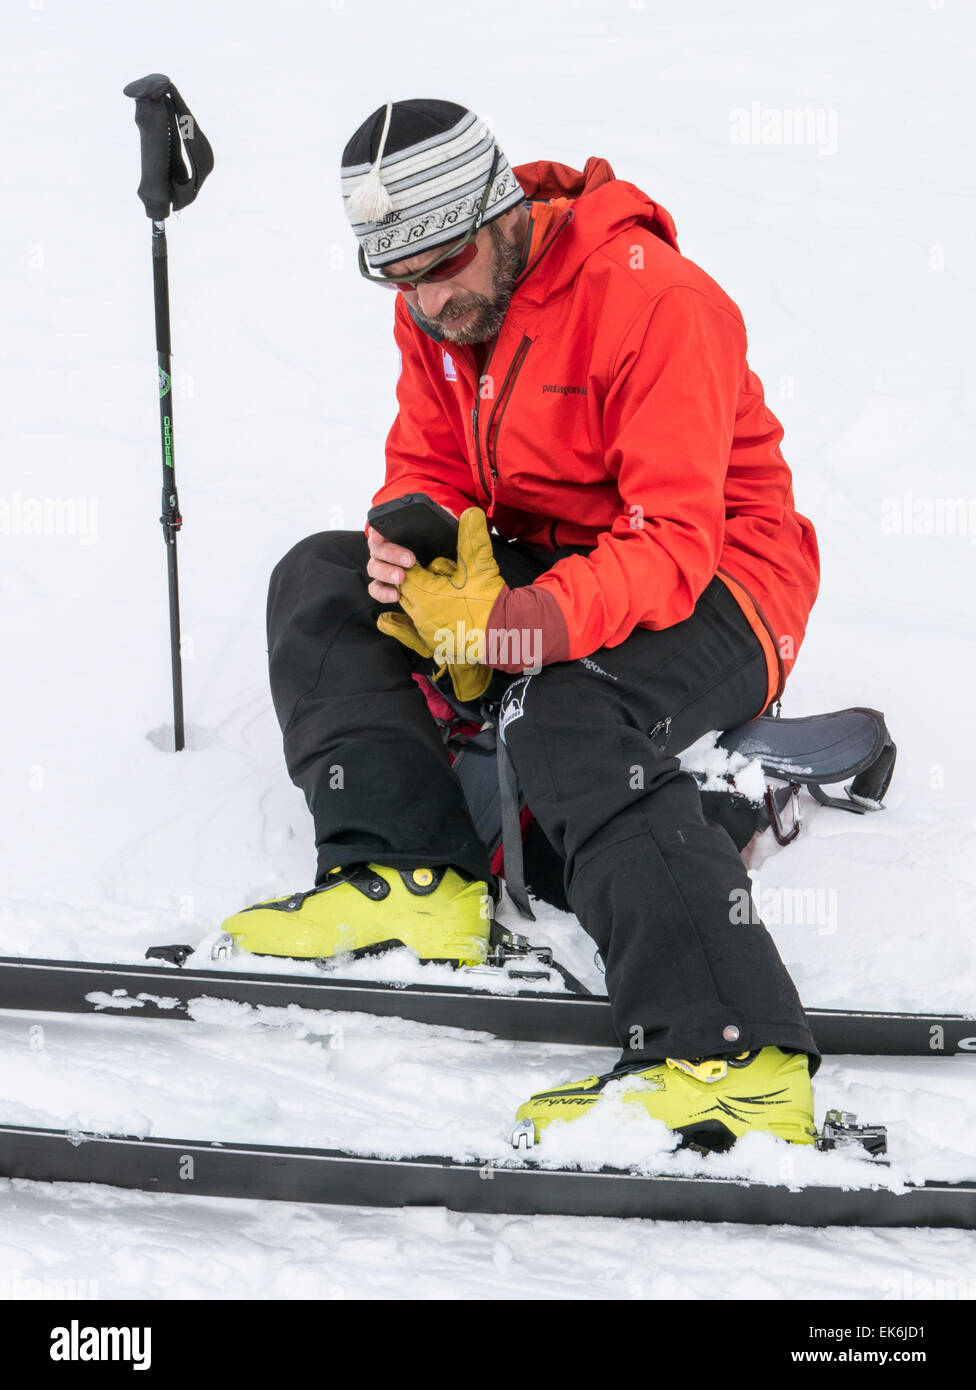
510, 223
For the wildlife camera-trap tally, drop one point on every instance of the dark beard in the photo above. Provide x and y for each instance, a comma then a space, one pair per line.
490, 310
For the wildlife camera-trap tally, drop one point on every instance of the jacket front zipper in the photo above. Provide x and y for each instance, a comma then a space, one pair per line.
498, 409
523, 347
486, 487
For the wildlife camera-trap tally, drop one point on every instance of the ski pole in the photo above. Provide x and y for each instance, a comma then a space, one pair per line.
164, 121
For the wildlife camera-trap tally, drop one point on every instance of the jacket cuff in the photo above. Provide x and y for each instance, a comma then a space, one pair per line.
525, 630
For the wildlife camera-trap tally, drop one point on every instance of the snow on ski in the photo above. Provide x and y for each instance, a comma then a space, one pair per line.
149, 991
523, 1016
278, 1173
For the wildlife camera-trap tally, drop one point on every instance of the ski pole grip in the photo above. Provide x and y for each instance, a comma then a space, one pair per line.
164, 120
152, 118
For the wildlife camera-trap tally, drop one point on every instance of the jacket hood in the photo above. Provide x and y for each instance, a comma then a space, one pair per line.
599, 206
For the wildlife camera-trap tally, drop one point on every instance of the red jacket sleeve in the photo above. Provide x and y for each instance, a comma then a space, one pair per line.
669, 417
423, 452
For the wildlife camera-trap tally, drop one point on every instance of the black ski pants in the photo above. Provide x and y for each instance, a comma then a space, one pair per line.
594, 742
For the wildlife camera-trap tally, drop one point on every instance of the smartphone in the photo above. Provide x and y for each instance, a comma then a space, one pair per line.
418, 523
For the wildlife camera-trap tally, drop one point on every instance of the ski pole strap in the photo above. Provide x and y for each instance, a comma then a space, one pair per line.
167, 128
508, 800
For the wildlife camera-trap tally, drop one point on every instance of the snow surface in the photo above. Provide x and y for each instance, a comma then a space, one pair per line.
848, 256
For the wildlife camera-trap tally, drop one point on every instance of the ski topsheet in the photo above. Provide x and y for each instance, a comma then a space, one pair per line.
149, 991
208, 1169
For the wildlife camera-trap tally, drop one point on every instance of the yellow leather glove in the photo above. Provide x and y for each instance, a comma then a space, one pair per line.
470, 682
450, 602
447, 607
398, 625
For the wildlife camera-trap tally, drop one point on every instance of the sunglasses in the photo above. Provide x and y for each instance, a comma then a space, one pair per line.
452, 259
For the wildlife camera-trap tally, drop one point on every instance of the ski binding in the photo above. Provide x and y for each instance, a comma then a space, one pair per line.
840, 1131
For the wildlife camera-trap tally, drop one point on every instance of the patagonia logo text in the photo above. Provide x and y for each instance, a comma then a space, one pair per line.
565, 390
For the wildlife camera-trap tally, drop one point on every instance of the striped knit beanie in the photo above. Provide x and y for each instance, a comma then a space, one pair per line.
413, 176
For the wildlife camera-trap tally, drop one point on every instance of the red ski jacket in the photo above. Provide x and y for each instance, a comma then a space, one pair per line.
615, 410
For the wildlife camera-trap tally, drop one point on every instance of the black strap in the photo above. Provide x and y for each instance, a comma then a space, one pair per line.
167, 127
508, 800
873, 782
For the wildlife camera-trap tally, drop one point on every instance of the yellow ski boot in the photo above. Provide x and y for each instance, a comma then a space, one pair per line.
710, 1102
371, 907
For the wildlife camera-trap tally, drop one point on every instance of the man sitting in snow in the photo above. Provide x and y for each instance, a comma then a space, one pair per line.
573, 384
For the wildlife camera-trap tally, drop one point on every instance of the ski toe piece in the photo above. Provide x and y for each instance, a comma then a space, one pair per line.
523, 1135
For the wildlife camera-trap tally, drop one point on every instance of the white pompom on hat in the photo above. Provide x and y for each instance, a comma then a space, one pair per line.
370, 200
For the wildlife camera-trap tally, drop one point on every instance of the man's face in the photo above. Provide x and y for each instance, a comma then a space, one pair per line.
470, 306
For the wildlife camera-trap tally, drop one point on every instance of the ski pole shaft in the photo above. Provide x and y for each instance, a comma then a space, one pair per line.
170, 516
167, 131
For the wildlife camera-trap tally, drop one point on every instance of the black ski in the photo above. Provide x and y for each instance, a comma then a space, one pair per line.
208, 1169
150, 991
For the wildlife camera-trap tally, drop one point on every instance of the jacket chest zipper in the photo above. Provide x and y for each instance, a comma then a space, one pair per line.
486, 488
495, 420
